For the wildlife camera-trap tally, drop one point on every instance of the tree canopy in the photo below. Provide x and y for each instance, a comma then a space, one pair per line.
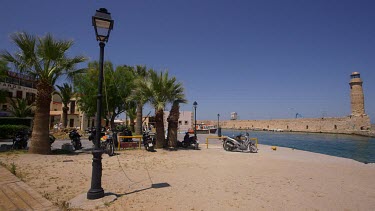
117, 85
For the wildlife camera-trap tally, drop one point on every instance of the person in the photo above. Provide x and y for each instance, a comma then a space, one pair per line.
55, 127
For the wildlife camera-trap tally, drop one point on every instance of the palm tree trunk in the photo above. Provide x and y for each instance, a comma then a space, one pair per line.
174, 115
138, 126
159, 123
112, 123
65, 117
39, 143
132, 124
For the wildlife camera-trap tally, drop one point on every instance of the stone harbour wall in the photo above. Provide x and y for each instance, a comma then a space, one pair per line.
346, 125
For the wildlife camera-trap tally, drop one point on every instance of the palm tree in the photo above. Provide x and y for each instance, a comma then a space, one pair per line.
172, 119
141, 73
66, 93
45, 59
131, 113
159, 90
20, 108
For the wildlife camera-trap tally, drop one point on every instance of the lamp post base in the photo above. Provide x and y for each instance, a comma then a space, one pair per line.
96, 191
95, 194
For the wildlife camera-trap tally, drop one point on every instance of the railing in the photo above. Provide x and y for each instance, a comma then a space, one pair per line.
214, 137
136, 136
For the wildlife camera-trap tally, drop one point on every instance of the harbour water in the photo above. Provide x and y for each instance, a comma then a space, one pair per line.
358, 148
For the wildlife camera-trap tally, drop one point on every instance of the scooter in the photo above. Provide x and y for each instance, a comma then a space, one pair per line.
76, 139
190, 141
240, 142
20, 140
148, 141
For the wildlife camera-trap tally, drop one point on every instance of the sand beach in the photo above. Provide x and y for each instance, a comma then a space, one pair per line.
206, 179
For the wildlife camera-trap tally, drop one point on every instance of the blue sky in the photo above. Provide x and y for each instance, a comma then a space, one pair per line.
262, 59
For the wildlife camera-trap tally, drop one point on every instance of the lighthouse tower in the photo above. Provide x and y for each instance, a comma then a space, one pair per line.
356, 95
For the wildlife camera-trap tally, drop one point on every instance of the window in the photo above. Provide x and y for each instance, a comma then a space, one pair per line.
335, 127
72, 107
179, 123
307, 127
19, 94
186, 122
71, 123
10, 94
30, 97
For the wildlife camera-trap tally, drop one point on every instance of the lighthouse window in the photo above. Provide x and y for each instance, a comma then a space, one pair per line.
355, 76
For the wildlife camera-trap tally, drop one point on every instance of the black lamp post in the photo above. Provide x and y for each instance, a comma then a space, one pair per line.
195, 119
103, 25
218, 116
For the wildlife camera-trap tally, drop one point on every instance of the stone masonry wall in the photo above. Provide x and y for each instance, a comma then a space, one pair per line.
348, 125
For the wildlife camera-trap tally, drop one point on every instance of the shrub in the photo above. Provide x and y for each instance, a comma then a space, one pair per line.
8, 131
16, 121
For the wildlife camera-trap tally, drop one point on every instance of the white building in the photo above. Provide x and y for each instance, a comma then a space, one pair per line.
184, 122
17, 86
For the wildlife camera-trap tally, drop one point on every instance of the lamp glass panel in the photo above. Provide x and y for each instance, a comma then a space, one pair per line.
102, 23
102, 32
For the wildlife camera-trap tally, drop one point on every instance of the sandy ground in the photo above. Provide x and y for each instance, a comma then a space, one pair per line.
206, 179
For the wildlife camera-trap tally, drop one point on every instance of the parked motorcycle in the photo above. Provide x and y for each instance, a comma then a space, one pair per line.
107, 141
51, 139
76, 139
190, 141
148, 141
107, 144
20, 140
240, 142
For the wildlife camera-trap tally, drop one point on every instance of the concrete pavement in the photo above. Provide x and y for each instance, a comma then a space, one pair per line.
16, 195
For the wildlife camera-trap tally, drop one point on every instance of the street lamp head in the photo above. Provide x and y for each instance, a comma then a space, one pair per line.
195, 104
103, 24
218, 115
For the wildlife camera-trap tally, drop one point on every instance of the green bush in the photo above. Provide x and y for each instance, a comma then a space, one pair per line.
16, 121
8, 131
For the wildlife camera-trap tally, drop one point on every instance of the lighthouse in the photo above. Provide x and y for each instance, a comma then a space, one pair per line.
356, 95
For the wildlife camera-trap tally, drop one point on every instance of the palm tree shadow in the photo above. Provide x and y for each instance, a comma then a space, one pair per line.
157, 185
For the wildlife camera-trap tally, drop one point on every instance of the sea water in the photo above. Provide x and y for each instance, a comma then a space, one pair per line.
358, 148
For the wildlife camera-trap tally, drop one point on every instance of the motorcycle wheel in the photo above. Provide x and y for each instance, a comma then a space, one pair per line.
24, 145
252, 148
227, 147
74, 145
110, 148
185, 144
150, 149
